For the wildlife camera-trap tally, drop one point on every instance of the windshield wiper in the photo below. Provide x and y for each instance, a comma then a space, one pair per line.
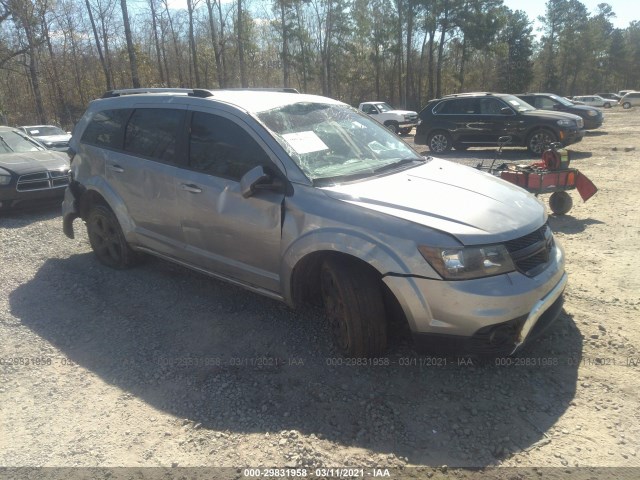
337, 179
399, 163
6, 144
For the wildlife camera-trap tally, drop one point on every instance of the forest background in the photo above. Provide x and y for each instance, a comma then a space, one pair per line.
57, 55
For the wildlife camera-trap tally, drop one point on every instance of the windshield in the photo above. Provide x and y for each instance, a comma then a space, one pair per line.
45, 130
519, 105
14, 142
563, 101
384, 107
335, 143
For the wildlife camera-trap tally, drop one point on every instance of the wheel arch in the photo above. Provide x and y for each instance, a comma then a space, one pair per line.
98, 191
305, 287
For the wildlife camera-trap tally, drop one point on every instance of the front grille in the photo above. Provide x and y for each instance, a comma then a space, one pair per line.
42, 180
531, 253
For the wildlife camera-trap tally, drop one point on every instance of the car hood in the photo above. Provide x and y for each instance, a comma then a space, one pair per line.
402, 112
474, 206
583, 108
552, 114
54, 138
32, 162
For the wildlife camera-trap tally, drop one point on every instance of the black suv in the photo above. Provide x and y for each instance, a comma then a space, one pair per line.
479, 119
591, 116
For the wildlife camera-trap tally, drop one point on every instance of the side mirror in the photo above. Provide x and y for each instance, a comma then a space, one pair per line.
506, 111
258, 179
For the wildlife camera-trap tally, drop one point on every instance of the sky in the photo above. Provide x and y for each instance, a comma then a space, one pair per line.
626, 10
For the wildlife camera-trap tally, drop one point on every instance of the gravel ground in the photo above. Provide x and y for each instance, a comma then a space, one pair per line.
163, 367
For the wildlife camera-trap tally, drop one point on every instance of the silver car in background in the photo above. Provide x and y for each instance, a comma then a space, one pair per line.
303, 199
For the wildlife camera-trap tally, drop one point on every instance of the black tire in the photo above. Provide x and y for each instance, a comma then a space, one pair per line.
354, 306
626, 105
107, 240
607, 105
439, 142
392, 126
539, 140
560, 202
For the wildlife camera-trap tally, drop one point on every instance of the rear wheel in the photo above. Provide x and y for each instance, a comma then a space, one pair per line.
607, 105
560, 203
107, 240
539, 140
439, 142
354, 306
626, 105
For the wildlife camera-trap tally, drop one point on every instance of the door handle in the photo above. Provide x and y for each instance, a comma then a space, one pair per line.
191, 188
115, 168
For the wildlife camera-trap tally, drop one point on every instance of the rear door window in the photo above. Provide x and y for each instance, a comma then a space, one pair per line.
154, 133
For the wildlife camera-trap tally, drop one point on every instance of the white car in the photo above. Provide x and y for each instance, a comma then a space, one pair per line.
52, 137
594, 101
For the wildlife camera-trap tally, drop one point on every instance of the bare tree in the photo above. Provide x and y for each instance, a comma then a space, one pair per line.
240, 27
133, 62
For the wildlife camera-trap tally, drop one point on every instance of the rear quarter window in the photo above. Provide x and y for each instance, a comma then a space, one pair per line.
106, 128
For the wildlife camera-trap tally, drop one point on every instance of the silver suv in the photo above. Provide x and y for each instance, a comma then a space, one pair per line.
304, 199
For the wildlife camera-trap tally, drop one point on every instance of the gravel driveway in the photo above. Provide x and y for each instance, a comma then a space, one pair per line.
163, 367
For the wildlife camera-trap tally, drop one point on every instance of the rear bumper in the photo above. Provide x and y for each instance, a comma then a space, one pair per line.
70, 211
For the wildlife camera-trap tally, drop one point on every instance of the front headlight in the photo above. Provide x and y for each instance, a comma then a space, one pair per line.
592, 113
468, 262
5, 177
566, 123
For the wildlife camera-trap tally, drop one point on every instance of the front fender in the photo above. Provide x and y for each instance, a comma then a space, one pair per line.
339, 240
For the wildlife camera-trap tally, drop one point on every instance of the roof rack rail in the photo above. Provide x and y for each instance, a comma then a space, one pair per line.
195, 92
265, 89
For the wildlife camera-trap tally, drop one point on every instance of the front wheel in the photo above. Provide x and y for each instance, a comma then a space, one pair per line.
107, 240
626, 105
392, 127
539, 140
560, 203
439, 142
607, 105
353, 303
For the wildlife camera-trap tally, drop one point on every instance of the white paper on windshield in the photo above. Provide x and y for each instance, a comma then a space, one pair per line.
305, 142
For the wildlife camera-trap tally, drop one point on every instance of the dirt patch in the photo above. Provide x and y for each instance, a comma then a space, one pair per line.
160, 366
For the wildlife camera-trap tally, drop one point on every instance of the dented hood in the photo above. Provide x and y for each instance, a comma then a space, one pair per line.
471, 205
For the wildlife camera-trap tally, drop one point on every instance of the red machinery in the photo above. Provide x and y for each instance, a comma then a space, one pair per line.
551, 175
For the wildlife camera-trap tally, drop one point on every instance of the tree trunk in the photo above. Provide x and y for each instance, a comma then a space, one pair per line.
175, 44
216, 45
105, 69
192, 44
135, 80
243, 68
154, 25
64, 108
285, 45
